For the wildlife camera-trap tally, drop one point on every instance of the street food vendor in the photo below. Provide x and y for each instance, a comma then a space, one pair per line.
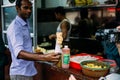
64, 27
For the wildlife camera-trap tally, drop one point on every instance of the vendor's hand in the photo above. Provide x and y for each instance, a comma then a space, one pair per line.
52, 36
118, 28
118, 45
52, 57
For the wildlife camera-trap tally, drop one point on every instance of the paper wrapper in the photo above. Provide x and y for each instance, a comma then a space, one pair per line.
59, 37
59, 41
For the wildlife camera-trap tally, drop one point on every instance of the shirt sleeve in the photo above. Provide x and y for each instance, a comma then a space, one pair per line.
16, 39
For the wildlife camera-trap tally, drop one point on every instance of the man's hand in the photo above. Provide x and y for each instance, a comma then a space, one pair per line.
53, 57
52, 36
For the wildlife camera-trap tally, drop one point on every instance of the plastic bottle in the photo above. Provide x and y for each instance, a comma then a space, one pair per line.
65, 57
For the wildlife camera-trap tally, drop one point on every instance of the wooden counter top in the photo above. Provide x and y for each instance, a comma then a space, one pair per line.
52, 72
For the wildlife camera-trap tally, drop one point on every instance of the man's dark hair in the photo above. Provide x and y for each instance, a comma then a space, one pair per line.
60, 10
18, 3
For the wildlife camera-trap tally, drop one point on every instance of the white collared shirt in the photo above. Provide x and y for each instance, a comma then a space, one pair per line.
18, 36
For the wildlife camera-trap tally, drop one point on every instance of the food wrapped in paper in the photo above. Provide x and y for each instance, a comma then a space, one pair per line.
59, 38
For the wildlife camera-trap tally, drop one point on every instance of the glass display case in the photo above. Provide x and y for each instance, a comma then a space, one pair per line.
8, 17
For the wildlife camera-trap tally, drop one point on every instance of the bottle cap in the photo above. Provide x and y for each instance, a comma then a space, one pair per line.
66, 46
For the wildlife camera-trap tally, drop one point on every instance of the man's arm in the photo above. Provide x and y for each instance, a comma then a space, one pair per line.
38, 57
65, 27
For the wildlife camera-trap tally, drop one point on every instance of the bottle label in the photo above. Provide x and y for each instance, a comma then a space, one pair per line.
66, 58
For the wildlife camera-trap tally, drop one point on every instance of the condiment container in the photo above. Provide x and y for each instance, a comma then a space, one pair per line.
65, 57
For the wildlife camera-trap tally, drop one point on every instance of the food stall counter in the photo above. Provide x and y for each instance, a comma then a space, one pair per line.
52, 72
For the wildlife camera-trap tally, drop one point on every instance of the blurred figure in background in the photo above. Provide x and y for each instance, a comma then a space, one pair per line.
85, 24
118, 44
110, 49
95, 23
64, 27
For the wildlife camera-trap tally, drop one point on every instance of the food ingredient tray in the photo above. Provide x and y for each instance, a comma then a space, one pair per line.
75, 60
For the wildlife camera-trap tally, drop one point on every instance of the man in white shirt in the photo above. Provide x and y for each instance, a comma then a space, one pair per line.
64, 27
